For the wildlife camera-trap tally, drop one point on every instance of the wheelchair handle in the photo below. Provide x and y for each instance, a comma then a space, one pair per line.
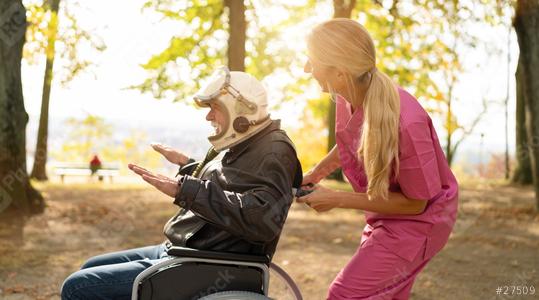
300, 192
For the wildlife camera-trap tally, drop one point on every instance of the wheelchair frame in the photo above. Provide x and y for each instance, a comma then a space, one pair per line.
211, 257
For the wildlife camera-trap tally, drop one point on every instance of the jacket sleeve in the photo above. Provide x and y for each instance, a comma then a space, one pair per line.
258, 213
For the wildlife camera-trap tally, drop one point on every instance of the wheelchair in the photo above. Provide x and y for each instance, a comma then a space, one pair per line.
191, 274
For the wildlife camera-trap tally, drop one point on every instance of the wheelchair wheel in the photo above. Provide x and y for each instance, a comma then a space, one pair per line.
235, 295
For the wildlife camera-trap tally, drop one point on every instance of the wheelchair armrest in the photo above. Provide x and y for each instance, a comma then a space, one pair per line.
189, 252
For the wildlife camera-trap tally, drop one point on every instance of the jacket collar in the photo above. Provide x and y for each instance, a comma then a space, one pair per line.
234, 152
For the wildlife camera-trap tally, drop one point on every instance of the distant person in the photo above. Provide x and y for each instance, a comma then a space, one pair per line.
389, 151
236, 200
95, 164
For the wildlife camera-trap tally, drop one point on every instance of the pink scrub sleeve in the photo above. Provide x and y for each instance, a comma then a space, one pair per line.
419, 177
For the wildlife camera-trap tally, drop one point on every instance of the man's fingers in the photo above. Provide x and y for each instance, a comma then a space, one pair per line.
143, 172
162, 177
139, 170
170, 154
167, 186
152, 180
158, 147
134, 167
148, 175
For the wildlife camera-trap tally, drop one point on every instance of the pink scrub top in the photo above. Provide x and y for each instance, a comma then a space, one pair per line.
424, 174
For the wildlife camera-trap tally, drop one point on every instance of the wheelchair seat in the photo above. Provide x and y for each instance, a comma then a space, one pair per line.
194, 274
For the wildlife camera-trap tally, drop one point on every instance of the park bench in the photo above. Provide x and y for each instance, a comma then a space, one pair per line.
81, 169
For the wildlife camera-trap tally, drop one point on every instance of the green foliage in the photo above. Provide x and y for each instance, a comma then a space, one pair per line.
191, 54
268, 51
427, 42
201, 44
419, 43
319, 106
70, 39
422, 44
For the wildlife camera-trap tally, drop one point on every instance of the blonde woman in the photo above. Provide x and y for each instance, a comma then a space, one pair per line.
389, 151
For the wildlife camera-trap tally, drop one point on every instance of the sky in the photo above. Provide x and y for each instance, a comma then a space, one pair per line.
132, 36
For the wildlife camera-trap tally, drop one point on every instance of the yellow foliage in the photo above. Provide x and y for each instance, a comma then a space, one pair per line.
310, 139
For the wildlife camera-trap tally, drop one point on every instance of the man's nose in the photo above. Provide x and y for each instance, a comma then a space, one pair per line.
210, 115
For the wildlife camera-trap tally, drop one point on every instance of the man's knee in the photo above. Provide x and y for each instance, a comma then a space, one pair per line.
91, 262
73, 286
101, 260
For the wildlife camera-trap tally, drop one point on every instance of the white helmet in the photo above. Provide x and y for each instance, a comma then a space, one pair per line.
244, 102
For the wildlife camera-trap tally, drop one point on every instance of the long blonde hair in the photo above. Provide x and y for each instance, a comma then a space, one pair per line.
347, 46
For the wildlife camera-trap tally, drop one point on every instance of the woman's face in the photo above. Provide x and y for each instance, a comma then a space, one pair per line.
325, 76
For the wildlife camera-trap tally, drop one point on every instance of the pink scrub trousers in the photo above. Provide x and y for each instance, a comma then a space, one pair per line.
395, 248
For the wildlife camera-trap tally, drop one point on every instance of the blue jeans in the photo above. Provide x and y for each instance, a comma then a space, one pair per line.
111, 275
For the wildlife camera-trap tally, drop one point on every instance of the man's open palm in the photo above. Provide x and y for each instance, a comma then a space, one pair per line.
165, 184
170, 154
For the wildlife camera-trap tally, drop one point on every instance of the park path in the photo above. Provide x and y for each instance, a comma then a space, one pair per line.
495, 241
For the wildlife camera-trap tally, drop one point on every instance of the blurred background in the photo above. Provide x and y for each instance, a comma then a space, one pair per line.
103, 79
123, 74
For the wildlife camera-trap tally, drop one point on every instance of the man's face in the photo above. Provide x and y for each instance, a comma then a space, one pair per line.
217, 117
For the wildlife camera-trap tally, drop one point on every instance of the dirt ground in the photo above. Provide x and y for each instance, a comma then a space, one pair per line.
495, 241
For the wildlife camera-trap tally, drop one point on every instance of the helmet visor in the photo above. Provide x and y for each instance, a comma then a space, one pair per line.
214, 86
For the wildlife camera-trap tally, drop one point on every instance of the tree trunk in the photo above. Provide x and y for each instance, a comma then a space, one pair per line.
526, 23
40, 158
523, 171
15, 189
341, 9
449, 144
238, 32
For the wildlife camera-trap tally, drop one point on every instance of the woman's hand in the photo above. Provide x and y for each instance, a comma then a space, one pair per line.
311, 178
165, 184
322, 199
327, 165
170, 154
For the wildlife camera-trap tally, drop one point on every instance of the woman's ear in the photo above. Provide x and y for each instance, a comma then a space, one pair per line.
340, 75
340, 79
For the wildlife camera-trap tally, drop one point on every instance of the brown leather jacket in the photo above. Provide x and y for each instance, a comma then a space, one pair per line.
241, 200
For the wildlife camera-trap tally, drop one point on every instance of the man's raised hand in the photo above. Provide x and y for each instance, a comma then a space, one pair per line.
170, 154
165, 184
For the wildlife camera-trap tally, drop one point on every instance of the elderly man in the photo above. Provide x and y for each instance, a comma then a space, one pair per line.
236, 200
